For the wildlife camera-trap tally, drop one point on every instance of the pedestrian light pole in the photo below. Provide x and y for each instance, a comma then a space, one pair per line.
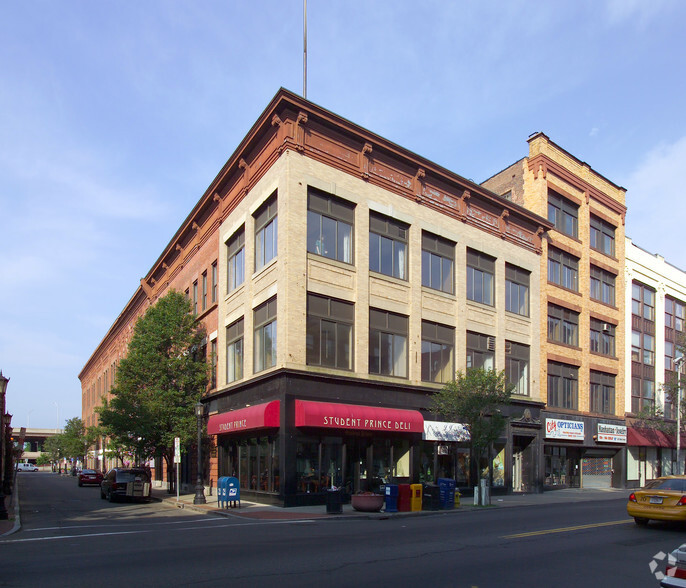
678, 362
199, 488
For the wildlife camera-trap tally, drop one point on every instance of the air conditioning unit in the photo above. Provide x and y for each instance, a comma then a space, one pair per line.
508, 347
491, 343
607, 327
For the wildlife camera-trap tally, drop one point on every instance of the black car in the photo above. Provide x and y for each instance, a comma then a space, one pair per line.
131, 483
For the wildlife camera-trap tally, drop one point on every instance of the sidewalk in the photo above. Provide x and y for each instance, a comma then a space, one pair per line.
13, 524
255, 510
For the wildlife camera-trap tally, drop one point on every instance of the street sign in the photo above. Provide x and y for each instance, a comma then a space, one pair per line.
177, 450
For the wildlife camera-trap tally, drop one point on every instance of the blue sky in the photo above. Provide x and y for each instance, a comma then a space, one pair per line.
116, 116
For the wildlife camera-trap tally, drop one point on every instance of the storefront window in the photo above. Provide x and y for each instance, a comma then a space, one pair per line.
381, 464
401, 461
332, 462
499, 469
255, 462
307, 465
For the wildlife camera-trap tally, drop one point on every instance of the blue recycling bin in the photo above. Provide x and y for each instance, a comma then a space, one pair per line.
222, 492
391, 498
446, 492
233, 492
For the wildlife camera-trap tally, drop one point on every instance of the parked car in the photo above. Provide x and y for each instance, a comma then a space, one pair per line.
27, 467
131, 483
90, 477
675, 573
662, 499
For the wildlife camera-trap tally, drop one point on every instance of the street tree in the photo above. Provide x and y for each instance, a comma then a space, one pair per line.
475, 398
76, 439
158, 383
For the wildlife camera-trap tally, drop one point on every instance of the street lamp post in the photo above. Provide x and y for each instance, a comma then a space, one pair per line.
3, 439
199, 488
678, 362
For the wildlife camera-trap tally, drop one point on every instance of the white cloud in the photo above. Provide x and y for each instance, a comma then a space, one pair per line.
656, 204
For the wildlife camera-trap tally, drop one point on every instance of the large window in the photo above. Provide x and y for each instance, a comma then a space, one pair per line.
563, 385
563, 213
438, 352
388, 246
602, 286
642, 348
602, 236
235, 251
329, 332
517, 290
234, 351
480, 351
265, 335
602, 393
563, 325
438, 261
214, 282
266, 233
642, 394
480, 277
675, 313
330, 226
602, 339
643, 301
387, 343
517, 366
563, 269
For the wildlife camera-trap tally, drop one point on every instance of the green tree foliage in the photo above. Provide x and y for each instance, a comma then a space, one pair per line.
474, 399
158, 383
76, 439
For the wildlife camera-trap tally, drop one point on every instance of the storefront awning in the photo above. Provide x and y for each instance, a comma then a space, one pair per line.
260, 416
644, 437
355, 417
442, 431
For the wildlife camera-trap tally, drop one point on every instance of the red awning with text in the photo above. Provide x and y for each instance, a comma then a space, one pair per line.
361, 418
260, 416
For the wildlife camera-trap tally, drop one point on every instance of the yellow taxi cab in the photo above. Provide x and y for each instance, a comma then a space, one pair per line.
662, 499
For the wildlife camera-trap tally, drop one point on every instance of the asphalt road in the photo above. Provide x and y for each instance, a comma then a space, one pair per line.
70, 537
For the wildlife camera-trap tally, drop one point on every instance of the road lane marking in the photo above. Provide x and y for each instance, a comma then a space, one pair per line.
226, 524
567, 529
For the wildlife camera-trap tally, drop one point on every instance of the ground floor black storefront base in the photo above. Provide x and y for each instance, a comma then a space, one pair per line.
291, 436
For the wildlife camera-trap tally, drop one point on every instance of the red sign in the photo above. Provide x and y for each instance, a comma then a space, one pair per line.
361, 418
260, 416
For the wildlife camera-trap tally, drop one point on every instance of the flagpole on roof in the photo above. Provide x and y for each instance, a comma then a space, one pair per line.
305, 49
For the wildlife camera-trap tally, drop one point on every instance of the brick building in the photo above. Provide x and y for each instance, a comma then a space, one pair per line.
582, 301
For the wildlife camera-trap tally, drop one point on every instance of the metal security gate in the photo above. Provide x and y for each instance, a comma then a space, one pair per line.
596, 472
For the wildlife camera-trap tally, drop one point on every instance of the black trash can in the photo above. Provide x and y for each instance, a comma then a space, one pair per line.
431, 497
334, 502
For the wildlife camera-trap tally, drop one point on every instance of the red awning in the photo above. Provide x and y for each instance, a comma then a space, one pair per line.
361, 418
644, 437
260, 416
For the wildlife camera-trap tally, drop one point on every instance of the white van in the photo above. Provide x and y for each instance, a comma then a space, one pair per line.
27, 467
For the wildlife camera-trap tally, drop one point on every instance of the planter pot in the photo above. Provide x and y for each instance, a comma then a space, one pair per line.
367, 502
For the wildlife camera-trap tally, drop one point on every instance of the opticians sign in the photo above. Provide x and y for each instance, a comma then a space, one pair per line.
611, 433
567, 430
